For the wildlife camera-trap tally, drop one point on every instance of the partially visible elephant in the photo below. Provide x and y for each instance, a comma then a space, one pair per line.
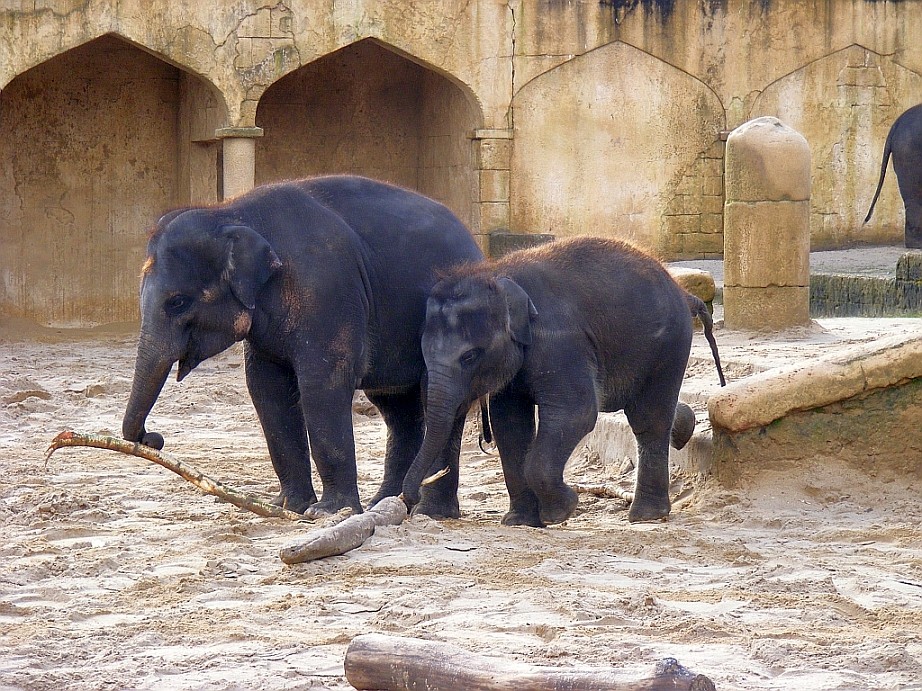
904, 142
326, 280
573, 327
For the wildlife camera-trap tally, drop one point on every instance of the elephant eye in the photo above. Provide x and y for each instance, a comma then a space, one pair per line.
471, 356
176, 304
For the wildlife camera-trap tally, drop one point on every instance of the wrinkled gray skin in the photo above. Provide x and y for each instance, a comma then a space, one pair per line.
326, 281
904, 143
571, 328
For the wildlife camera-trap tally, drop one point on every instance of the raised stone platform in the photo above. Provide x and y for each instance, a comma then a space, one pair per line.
848, 389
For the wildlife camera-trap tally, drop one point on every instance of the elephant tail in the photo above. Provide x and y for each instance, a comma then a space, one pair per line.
883, 173
700, 310
486, 434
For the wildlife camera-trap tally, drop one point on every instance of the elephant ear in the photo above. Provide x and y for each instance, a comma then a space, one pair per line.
250, 262
521, 309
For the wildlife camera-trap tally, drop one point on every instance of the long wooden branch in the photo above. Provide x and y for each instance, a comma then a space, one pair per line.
207, 484
605, 491
391, 663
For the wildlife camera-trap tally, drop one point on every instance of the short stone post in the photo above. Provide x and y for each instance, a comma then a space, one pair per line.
766, 227
239, 158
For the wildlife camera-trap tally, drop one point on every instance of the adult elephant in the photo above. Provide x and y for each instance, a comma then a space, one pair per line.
904, 142
573, 328
326, 280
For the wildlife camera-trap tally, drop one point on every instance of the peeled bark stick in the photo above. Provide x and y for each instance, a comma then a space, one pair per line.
346, 535
352, 532
203, 482
605, 491
390, 663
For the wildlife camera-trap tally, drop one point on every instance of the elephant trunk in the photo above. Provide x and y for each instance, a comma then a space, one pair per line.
442, 411
150, 374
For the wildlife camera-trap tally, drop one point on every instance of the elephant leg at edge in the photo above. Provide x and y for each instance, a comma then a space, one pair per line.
274, 391
403, 415
913, 232
513, 423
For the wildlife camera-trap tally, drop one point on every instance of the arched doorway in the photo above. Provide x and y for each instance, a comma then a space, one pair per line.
97, 143
366, 110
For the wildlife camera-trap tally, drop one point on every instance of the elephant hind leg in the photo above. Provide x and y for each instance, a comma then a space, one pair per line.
403, 416
652, 424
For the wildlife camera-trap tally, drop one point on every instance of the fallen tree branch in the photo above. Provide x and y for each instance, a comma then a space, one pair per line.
203, 482
604, 491
345, 535
390, 663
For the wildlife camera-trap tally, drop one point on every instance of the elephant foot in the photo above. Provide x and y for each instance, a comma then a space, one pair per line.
440, 510
530, 519
295, 502
560, 508
647, 508
327, 507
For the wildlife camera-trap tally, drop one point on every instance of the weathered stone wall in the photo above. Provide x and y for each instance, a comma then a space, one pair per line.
532, 116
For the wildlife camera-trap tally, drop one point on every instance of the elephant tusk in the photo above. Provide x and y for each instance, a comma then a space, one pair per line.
435, 477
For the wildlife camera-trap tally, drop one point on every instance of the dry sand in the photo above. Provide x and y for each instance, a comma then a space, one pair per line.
116, 573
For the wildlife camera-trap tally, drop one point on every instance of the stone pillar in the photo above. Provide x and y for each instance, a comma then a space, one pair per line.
493, 160
239, 158
766, 227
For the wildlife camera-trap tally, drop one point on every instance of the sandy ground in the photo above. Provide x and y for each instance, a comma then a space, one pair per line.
115, 573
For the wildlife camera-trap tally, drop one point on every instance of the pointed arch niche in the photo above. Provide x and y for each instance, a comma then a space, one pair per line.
367, 110
97, 143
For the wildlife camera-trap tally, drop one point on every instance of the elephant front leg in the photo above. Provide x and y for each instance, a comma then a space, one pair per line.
512, 417
274, 390
567, 412
328, 417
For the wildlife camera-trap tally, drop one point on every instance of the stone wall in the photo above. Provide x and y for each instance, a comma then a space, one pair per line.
527, 116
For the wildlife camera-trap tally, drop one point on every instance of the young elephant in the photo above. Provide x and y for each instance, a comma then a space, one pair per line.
573, 327
326, 280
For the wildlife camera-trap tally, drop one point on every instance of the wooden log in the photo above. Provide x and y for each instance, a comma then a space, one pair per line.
207, 484
375, 662
345, 535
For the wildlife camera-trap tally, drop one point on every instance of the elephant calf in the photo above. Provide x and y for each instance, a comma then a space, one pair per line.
326, 280
573, 327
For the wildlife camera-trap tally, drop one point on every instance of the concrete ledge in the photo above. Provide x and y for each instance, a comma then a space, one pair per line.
876, 432
833, 295
767, 396
861, 405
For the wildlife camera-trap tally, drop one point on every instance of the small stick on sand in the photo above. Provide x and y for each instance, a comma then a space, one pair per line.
351, 533
203, 482
604, 491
